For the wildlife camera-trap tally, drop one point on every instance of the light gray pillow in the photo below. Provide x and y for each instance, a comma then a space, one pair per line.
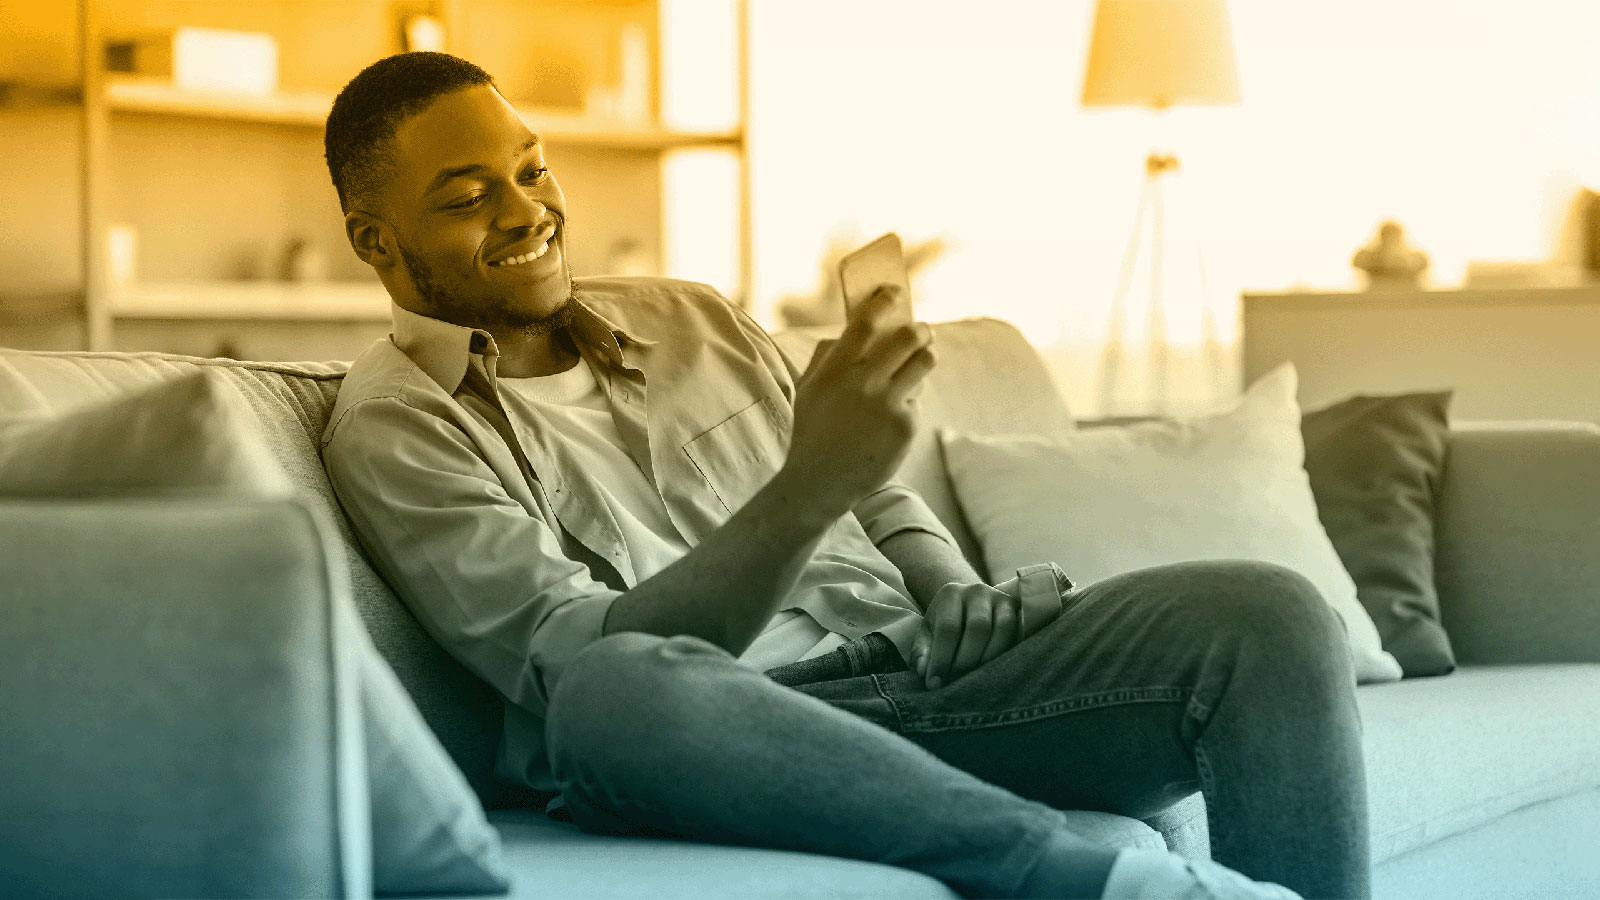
1103, 501
191, 435
175, 437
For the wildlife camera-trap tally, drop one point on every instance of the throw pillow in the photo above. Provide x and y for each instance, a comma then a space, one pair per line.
1109, 500
187, 436
1375, 465
175, 437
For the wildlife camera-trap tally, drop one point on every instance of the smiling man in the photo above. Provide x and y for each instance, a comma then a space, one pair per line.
712, 613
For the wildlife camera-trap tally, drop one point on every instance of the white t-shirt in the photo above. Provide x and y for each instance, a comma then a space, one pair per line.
575, 408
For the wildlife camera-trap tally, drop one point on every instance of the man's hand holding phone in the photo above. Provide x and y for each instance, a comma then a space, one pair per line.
854, 409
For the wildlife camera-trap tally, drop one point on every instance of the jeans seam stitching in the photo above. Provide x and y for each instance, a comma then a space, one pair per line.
899, 717
852, 655
1016, 715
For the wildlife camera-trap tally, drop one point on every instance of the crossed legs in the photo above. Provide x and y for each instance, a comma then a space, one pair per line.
1230, 678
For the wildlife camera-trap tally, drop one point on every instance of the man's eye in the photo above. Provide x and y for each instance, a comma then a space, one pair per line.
469, 202
534, 176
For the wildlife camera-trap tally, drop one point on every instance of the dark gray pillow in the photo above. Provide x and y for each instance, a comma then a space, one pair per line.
1375, 465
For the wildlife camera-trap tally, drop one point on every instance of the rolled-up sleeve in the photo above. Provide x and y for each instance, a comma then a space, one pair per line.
896, 508
484, 576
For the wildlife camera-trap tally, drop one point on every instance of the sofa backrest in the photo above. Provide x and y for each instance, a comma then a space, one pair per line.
1517, 524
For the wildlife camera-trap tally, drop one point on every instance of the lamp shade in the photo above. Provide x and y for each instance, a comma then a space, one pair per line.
1161, 53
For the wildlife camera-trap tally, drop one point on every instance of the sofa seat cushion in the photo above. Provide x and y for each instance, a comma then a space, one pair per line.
1545, 851
556, 859
1450, 753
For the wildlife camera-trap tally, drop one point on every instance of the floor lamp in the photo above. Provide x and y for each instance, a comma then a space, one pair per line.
1156, 54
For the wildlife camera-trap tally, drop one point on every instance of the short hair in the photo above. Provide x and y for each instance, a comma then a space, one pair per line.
366, 114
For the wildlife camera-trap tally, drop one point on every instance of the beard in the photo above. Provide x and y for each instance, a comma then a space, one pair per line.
446, 305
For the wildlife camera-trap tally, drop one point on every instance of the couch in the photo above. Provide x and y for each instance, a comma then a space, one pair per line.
151, 745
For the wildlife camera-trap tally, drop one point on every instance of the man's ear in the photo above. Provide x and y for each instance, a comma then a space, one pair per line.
371, 238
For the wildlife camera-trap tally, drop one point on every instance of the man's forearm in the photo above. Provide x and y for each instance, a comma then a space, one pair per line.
927, 563
728, 587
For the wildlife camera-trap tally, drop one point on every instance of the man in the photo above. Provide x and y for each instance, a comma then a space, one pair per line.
615, 502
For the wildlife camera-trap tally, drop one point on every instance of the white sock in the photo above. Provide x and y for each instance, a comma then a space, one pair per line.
1141, 874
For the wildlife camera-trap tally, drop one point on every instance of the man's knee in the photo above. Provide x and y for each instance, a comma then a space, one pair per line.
1265, 603
622, 668
615, 690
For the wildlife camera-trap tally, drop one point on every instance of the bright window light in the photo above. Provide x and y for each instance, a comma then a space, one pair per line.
700, 217
699, 64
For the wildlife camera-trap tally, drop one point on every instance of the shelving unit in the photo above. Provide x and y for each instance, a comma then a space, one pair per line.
216, 185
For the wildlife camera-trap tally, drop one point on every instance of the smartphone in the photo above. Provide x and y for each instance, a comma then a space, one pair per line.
864, 270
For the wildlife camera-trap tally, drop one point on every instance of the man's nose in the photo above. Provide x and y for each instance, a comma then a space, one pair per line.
519, 211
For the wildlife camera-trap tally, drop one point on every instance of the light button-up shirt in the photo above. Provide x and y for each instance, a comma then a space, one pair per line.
508, 554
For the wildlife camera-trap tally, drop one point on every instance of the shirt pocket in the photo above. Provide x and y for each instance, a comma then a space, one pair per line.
738, 455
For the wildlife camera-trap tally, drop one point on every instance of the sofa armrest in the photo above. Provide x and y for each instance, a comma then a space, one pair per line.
1518, 530
180, 713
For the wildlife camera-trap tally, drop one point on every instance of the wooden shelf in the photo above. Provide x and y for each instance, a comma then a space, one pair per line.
331, 301
310, 109
33, 309
16, 94
151, 97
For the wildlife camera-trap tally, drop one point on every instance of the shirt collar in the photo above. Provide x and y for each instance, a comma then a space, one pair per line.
443, 350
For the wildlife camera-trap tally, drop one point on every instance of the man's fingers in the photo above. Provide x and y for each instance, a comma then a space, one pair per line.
882, 303
1004, 634
946, 627
867, 318
978, 624
891, 348
907, 382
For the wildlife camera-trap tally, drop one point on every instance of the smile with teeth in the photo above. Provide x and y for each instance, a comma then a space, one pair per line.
530, 256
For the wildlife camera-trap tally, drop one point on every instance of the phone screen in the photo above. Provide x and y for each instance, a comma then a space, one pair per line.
864, 270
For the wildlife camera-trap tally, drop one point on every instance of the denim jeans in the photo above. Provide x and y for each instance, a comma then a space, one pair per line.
1230, 678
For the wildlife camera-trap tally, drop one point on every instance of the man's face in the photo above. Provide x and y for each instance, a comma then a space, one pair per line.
472, 204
